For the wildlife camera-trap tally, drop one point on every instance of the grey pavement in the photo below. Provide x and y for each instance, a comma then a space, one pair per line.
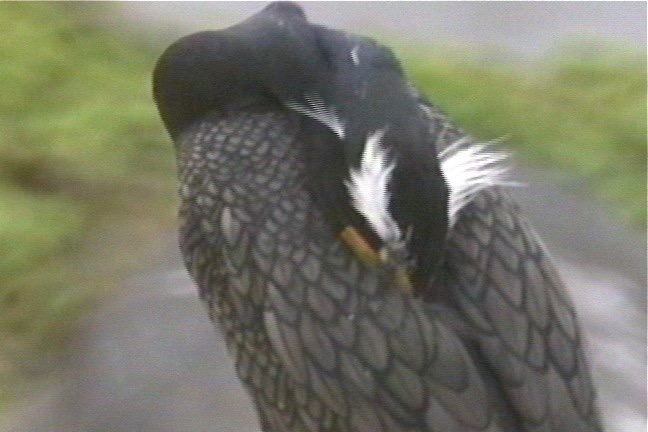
150, 361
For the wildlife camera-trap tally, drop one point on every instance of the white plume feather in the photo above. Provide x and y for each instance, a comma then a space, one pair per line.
468, 169
369, 188
316, 109
354, 55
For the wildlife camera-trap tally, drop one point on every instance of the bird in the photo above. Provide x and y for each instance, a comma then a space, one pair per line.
360, 252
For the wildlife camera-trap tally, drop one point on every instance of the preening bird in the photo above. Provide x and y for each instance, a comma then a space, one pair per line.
359, 251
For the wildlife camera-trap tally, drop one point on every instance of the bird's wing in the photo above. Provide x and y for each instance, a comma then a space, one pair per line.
321, 340
366, 356
507, 288
373, 357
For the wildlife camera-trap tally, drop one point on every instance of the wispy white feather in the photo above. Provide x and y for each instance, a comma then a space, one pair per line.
469, 168
317, 109
354, 55
368, 186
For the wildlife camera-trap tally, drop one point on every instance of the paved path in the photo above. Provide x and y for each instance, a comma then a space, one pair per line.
150, 361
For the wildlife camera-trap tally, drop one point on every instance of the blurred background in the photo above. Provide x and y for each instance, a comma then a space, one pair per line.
100, 329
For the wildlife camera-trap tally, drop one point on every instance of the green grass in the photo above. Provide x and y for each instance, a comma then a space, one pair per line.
581, 112
82, 155
86, 171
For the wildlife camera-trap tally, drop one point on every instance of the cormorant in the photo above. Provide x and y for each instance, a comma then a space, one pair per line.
358, 250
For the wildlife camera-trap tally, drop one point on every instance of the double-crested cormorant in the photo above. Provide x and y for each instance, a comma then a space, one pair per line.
368, 270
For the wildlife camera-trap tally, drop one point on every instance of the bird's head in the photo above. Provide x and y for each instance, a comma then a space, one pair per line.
371, 163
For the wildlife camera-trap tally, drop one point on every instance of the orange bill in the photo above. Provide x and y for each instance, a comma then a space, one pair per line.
363, 250
360, 246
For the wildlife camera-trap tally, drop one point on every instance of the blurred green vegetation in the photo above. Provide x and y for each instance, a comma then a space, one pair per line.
582, 111
86, 171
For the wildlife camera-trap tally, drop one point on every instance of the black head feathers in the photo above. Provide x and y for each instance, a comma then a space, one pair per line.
278, 57
371, 159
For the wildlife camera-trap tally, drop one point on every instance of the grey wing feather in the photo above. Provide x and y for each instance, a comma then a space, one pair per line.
510, 293
508, 290
214, 238
376, 358
322, 342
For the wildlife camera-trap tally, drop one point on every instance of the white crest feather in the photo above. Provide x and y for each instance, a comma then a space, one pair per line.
354, 55
369, 188
469, 168
316, 109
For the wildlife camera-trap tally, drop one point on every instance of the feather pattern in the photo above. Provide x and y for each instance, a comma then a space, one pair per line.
369, 188
469, 168
318, 110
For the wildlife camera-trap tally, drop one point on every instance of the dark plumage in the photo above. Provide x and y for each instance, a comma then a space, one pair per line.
317, 221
